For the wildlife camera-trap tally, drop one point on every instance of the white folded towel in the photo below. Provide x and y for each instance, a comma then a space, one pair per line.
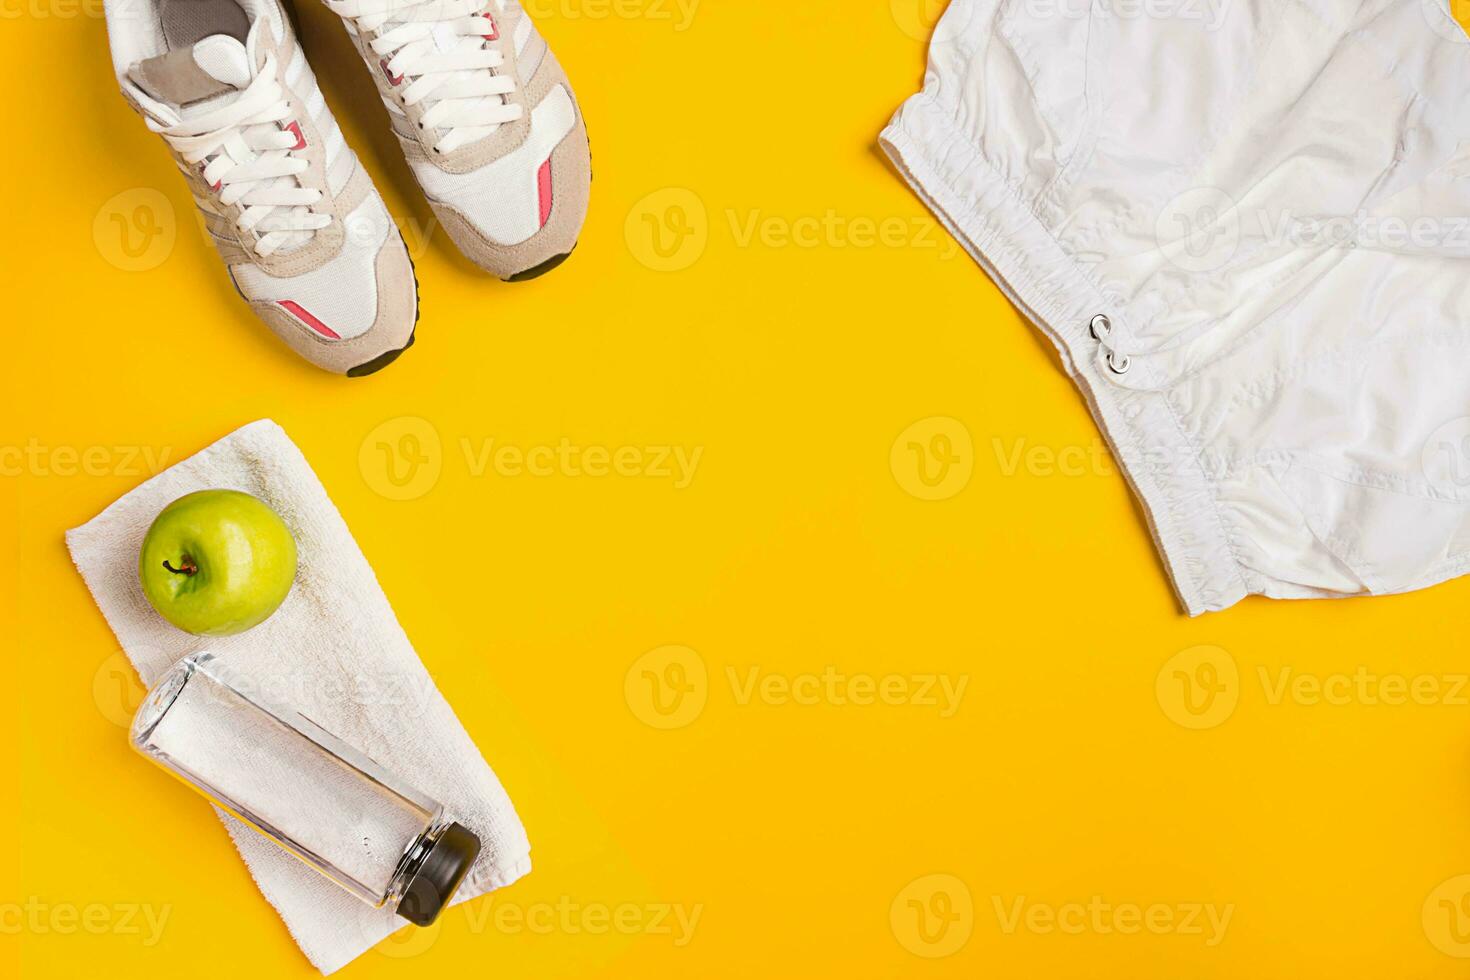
335, 651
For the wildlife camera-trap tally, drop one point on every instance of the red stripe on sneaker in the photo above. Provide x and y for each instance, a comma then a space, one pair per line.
295, 310
295, 130
543, 191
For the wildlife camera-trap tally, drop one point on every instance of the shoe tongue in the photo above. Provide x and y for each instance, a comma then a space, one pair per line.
223, 58
205, 74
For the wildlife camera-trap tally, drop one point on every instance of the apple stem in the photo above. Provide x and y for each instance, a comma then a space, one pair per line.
187, 566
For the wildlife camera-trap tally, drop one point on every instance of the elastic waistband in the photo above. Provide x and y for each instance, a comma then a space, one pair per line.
996, 226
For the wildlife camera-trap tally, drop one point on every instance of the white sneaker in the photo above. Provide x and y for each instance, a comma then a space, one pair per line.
488, 122
306, 237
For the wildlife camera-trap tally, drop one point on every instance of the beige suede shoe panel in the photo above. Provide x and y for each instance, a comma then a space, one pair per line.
571, 170
572, 176
467, 198
392, 331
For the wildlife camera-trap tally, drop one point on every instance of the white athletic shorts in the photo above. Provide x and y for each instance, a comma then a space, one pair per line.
1245, 224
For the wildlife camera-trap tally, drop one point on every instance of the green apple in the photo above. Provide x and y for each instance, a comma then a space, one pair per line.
217, 563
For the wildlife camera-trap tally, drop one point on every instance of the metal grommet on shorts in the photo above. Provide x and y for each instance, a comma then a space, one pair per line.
1101, 328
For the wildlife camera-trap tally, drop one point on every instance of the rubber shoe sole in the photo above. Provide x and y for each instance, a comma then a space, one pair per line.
388, 357
537, 271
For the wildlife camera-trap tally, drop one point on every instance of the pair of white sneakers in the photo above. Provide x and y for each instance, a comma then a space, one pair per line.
482, 109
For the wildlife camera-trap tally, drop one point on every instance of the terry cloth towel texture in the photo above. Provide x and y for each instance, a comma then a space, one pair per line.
335, 651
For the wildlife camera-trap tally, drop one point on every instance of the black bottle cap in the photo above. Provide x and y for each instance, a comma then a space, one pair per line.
438, 875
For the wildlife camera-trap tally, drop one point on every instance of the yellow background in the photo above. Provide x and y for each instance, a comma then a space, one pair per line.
792, 354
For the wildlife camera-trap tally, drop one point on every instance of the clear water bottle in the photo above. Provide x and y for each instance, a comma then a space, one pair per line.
302, 787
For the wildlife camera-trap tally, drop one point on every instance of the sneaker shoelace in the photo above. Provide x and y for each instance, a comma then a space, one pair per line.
245, 150
445, 50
